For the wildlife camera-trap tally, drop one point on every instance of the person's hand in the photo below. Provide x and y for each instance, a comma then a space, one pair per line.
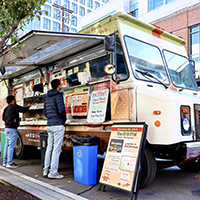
29, 105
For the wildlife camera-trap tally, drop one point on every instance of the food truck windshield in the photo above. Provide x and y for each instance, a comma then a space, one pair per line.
146, 58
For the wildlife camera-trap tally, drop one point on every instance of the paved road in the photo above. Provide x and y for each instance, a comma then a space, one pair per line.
170, 183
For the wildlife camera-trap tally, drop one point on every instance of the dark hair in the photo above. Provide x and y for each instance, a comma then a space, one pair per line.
55, 83
9, 98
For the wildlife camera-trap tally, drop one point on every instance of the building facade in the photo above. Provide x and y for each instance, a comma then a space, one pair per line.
63, 15
181, 18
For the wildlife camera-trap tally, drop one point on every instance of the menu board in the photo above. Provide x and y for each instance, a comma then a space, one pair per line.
76, 101
98, 105
79, 104
125, 149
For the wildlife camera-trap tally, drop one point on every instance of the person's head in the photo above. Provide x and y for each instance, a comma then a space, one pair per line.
10, 99
55, 84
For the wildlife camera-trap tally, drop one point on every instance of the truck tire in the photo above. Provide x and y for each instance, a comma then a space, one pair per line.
192, 166
149, 168
19, 149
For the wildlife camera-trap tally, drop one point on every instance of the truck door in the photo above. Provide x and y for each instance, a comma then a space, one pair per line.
121, 92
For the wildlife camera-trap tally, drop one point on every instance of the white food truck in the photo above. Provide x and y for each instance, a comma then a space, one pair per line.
142, 72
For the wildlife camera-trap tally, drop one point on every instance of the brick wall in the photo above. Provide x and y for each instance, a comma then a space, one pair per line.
179, 23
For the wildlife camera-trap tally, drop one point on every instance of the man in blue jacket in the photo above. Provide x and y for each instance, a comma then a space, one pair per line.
54, 110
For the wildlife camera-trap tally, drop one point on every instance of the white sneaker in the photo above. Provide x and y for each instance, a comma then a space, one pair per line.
13, 166
4, 165
55, 176
45, 173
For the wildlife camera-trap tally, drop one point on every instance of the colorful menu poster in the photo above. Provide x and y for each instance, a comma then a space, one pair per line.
79, 104
98, 106
125, 149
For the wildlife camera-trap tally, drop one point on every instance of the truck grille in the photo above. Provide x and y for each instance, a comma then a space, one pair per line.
197, 120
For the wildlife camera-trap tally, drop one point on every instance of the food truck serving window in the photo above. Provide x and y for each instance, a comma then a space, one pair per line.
87, 72
146, 58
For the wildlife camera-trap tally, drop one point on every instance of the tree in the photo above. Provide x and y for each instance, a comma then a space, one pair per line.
14, 15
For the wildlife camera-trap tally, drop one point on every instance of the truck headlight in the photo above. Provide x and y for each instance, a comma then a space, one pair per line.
186, 124
185, 120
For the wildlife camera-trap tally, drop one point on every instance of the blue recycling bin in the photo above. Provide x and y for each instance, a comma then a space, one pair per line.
85, 164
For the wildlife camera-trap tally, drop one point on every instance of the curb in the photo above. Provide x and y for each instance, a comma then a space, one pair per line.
35, 187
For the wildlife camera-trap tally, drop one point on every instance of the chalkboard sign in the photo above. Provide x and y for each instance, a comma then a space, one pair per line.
97, 106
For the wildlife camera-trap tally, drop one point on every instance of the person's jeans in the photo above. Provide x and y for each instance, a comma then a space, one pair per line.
52, 154
11, 140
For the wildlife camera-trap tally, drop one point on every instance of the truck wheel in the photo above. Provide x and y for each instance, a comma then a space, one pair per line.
192, 166
19, 149
149, 168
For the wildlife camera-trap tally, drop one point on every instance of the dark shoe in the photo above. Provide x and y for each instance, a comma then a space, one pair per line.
55, 176
13, 166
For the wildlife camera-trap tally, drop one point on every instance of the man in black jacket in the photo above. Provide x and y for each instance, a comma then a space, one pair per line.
54, 110
11, 119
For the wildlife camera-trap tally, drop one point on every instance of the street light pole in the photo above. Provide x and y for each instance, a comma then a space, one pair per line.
63, 10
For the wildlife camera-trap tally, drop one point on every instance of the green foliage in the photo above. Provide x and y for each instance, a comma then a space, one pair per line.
14, 14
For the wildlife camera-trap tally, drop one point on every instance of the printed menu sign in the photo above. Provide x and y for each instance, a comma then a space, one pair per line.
98, 105
125, 148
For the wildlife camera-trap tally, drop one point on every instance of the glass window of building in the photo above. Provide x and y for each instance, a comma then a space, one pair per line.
73, 30
56, 14
96, 5
48, 10
194, 43
81, 11
34, 25
168, 1
82, 2
66, 28
67, 16
134, 8
46, 24
89, 11
48, 1
74, 8
105, 1
154, 4
58, 2
76, 0
89, 3
74, 20
56, 26
67, 4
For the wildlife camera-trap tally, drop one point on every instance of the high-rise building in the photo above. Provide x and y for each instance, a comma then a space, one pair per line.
63, 15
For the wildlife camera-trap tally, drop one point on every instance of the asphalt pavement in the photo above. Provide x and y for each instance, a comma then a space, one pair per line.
170, 183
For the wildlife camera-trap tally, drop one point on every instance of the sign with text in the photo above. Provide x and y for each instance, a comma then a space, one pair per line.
98, 105
79, 104
125, 149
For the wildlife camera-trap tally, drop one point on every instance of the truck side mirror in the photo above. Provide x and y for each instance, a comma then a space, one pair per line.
109, 69
192, 64
109, 43
2, 69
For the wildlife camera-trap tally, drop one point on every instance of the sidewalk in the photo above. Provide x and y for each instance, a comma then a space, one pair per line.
35, 187
29, 178
170, 183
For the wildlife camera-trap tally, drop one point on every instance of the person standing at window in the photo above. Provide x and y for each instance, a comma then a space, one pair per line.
11, 119
54, 110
